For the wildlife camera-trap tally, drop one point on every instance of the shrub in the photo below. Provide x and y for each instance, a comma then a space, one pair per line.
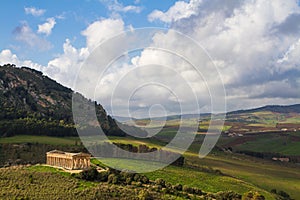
125, 175
90, 174
284, 194
187, 189
144, 179
177, 187
31, 178
197, 191
137, 177
274, 191
128, 181
157, 188
139, 184
253, 196
144, 195
168, 185
164, 190
103, 176
113, 178
160, 182
228, 195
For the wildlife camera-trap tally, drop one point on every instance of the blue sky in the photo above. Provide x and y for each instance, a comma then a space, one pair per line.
71, 18
255, 45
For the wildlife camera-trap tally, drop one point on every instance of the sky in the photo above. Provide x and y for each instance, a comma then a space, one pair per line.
253, 44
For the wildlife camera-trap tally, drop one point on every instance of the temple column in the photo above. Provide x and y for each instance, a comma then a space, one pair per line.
85, 163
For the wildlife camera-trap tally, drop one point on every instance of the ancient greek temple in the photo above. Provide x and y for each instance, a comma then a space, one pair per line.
68, 160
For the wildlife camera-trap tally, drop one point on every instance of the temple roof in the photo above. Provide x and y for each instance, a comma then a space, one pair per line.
68, 153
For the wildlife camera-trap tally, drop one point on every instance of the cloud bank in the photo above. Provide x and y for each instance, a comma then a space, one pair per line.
255, 45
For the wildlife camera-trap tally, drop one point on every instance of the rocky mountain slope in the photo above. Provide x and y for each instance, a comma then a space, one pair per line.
32, 103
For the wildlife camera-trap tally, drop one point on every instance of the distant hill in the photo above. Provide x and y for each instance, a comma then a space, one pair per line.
271, 108
32, 103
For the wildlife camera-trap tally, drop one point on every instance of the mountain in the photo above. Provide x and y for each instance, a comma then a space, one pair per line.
32, 103
271, 108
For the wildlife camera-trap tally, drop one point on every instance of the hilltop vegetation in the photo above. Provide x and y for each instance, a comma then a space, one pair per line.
39, 182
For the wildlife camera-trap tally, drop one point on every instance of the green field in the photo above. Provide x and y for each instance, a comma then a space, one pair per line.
207, 181
266, 175
40, 139
269, 143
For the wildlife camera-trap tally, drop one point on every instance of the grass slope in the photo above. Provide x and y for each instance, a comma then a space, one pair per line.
39, 139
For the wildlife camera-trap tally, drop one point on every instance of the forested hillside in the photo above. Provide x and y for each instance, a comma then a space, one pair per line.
32, 103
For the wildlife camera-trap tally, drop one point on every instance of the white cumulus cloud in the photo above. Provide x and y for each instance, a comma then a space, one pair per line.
47, 27
117, 7
34, 11
102, 30
65, 66
7, 57
180, 10
254, 43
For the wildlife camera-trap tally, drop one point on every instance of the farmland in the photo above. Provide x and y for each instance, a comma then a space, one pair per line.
225, 168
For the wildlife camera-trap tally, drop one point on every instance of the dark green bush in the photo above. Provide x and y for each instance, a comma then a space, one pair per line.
144, 179
197, 191
137, 177
103, 176
160, 182
253, 196
168, 186
188, 189
124, 175
145, 195
177, 187
228, 195
274, 191
128, 181
113, 178
284, 194
90, 174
